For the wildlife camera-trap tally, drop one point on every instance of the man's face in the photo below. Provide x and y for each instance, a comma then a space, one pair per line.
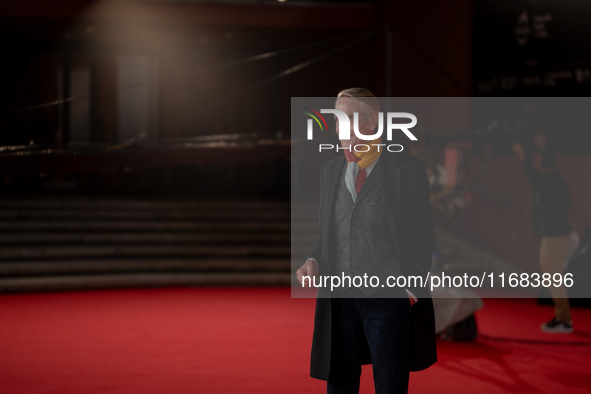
349, 106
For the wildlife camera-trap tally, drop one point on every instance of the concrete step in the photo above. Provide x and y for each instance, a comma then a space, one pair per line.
118, 251
40, 267
138, 204
85, 243
169, 214
13, 238
87, 282
133, 225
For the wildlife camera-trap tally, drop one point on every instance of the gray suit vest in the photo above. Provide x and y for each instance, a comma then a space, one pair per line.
363, 245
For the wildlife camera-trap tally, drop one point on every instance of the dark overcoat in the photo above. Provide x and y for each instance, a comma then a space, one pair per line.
410, 223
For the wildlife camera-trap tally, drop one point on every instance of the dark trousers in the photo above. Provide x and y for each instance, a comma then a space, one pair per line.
384, 322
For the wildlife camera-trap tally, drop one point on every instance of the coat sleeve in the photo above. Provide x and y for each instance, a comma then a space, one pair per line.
316, 252
422, 237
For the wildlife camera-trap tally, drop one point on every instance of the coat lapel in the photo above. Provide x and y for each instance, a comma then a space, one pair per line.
334, 176
333, 181
391, 184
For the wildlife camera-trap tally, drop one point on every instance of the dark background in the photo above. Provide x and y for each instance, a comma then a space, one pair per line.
160, 99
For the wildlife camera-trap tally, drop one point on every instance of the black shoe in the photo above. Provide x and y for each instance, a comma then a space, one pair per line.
556, 326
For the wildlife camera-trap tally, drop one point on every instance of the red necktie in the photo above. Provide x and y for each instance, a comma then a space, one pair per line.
361, 176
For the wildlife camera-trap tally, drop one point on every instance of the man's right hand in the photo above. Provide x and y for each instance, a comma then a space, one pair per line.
310, 268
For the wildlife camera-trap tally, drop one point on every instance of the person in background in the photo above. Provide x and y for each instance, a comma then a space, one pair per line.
551, 202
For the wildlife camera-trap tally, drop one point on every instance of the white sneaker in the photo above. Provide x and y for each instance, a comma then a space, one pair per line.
555, 326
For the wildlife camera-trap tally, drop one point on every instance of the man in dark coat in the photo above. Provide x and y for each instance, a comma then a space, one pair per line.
374, 219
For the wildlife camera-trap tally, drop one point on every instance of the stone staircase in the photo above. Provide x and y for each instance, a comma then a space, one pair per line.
58, 243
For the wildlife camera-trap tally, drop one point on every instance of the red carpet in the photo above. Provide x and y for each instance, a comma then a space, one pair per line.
253, 340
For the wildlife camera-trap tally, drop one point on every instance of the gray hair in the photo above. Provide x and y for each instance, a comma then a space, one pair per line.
369, 102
